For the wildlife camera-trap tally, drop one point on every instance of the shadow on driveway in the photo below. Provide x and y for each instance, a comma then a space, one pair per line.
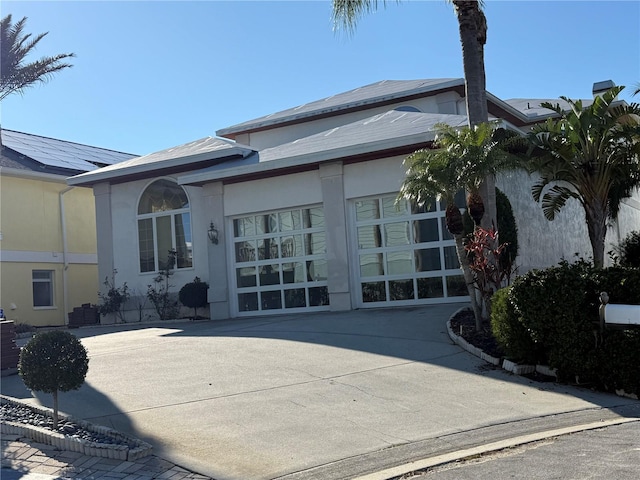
271, 396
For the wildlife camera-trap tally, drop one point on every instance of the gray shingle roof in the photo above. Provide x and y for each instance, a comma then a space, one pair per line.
207, 148
60, 154
378, 92
530, 107
381, 132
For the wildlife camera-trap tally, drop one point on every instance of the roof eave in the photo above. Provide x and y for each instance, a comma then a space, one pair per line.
305, 159
96, 176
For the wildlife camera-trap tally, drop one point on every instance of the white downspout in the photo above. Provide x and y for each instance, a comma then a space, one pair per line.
65, 255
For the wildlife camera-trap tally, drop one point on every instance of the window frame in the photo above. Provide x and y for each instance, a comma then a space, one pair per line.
51, 281
248, 243
369, 240
154, 216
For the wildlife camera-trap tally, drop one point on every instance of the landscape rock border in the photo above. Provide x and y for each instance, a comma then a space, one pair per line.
504, 363
508, 365
122, 451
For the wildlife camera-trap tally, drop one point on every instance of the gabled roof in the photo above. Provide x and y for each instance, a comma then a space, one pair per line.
188, 156
380, 133
50, 155
379, 93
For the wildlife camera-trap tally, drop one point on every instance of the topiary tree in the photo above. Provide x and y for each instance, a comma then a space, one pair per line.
194, 295
51, 362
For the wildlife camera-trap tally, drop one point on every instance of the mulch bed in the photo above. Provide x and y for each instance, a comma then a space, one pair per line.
464, 324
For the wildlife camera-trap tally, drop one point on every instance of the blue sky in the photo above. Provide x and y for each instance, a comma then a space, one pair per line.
155, 74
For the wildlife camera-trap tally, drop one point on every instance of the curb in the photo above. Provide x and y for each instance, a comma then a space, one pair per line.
417, 466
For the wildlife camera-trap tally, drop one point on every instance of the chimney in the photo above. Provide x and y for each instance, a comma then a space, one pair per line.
601, 87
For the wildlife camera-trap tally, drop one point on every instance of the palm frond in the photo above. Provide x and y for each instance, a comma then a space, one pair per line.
15, 46
556, 198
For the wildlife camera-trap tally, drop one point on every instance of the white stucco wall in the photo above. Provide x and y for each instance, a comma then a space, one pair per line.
272, 193
543, 243
123, 201
373, 178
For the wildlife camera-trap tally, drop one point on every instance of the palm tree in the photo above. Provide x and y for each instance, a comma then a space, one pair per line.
473, 36
15, 75
482, 151
591, 154
458, 159
437, 173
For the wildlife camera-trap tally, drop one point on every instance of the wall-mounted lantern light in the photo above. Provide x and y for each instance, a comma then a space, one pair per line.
213, 234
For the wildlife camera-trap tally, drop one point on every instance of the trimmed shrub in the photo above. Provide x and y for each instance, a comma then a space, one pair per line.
508, 331
51, 362
194, 295
619, 361
558, 309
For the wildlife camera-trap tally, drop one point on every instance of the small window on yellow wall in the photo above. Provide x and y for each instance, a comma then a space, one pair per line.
42, 283
164, 224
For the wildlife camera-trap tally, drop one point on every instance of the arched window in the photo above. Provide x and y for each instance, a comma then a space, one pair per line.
164, 225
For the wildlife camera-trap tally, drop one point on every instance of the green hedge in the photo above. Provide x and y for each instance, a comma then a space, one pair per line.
550, 316
510, 333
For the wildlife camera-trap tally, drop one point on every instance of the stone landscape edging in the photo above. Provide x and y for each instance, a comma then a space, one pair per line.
64, 442
504, 363
508, 365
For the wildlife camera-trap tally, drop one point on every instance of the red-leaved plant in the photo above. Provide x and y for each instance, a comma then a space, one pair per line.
490, 273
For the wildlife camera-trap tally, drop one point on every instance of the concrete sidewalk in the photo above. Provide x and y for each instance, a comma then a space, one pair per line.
334, 395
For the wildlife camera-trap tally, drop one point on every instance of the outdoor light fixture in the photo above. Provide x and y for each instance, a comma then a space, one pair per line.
213, 234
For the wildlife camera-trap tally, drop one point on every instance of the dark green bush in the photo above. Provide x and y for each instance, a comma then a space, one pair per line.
627, 253
558, 308
194, 295
552, 305
619, 361
507, 229
508, 331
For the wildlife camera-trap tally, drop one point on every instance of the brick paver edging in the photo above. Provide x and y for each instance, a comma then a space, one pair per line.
117, 452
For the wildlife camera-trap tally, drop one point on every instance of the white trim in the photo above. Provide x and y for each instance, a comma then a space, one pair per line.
27, 256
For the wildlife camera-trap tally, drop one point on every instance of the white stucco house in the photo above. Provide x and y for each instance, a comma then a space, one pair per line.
302, 202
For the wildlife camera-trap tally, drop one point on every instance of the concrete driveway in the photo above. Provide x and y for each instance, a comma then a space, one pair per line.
329, 395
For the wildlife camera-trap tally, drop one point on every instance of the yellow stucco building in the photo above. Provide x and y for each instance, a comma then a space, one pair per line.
48, 259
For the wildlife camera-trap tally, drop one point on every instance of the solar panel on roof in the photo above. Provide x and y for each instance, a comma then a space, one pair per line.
61, 154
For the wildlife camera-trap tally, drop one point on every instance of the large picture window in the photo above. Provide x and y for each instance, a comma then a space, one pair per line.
164, 224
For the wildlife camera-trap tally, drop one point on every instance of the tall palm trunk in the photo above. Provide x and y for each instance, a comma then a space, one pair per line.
596, 216
473, 35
